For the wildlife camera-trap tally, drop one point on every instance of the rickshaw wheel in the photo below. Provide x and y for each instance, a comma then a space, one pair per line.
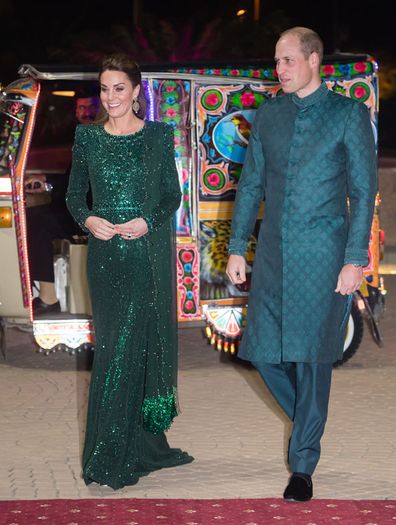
354, 335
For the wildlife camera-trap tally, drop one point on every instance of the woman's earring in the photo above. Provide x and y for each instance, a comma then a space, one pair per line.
135, 106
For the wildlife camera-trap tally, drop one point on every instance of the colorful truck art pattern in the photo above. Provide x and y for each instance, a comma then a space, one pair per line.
335, 69
172, 105
14, 114
188, 282
225, 115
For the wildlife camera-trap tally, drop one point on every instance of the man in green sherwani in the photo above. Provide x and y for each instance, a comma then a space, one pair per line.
310, 152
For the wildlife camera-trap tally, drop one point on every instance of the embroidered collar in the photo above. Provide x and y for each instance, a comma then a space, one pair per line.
311, 99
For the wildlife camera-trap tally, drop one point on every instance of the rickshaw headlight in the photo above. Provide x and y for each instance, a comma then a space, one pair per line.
5, 217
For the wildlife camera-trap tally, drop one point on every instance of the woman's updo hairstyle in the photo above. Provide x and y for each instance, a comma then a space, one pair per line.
121, 62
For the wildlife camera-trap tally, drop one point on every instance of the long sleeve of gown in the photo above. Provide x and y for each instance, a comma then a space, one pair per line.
169, 186
76, 197
362, 183
249, 195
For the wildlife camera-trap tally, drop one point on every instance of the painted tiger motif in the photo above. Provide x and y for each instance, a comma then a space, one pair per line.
213, 246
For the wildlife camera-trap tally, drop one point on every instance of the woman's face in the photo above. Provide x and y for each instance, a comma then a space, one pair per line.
117, 93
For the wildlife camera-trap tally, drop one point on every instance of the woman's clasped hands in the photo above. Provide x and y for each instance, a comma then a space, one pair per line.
104, 230
132, 229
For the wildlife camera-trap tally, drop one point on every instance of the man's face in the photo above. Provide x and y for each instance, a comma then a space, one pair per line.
87, 109
295, 72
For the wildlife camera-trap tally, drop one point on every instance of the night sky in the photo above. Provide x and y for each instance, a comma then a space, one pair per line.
65, 31
32, 34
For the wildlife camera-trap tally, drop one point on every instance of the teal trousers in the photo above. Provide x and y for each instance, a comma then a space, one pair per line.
302, 390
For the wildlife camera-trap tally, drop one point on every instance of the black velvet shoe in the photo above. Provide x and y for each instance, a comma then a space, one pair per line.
299, 488
40, 307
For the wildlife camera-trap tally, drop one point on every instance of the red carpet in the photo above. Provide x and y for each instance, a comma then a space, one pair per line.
197, 512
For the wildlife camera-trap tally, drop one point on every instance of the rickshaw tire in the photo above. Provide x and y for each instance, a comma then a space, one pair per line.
376, 333
358, 327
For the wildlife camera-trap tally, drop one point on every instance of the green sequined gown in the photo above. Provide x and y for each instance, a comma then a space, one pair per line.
135, 359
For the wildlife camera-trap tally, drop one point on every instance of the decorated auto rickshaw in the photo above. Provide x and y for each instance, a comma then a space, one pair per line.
211, 110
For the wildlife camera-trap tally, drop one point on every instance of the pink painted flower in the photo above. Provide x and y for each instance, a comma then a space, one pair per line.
235, 72
189, 305
214, 179
360, 92
187, 257
248, 99
217, 71
360, 67
256, 73
170, 112
188, 281
170, 88
328, 70
212, 99
177, 141
186, 198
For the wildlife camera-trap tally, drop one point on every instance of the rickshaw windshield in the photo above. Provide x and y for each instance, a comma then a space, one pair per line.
13, 113
50, 150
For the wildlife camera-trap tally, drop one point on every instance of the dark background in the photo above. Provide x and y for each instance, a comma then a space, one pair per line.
154, 31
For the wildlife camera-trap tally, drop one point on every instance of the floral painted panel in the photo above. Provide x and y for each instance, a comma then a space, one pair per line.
172, 105
225, 115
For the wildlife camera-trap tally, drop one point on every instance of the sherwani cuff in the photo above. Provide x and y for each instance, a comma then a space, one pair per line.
356, 256
237, 247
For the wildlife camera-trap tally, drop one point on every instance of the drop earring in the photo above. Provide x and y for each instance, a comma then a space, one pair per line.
135, 106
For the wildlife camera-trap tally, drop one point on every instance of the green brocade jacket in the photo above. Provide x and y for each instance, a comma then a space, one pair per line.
306, 157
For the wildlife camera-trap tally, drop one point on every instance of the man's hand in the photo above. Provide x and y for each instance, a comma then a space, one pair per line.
35, 184
349, 279
236, 269
100, 228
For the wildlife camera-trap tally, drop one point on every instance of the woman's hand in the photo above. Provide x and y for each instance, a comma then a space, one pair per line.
100, 228
132, 229
349, 279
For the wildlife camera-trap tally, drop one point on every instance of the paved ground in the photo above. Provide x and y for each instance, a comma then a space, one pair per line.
228, 422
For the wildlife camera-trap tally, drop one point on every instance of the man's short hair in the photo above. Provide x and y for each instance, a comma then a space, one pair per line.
310, 41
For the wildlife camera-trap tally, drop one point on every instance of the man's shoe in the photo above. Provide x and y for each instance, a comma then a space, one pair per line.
299, 488
40, 307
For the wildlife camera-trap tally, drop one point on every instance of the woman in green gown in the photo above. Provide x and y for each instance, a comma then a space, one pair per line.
129, 165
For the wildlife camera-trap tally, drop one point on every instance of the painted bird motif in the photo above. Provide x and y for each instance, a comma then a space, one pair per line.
243, 128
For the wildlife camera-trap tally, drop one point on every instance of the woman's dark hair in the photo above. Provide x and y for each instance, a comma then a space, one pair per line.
122, 62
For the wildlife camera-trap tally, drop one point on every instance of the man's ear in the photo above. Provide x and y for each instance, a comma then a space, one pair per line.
314, 59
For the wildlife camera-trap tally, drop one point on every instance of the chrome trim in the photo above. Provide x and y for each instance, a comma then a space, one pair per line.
29, 70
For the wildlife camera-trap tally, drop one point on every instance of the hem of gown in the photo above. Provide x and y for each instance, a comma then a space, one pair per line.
133, 480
